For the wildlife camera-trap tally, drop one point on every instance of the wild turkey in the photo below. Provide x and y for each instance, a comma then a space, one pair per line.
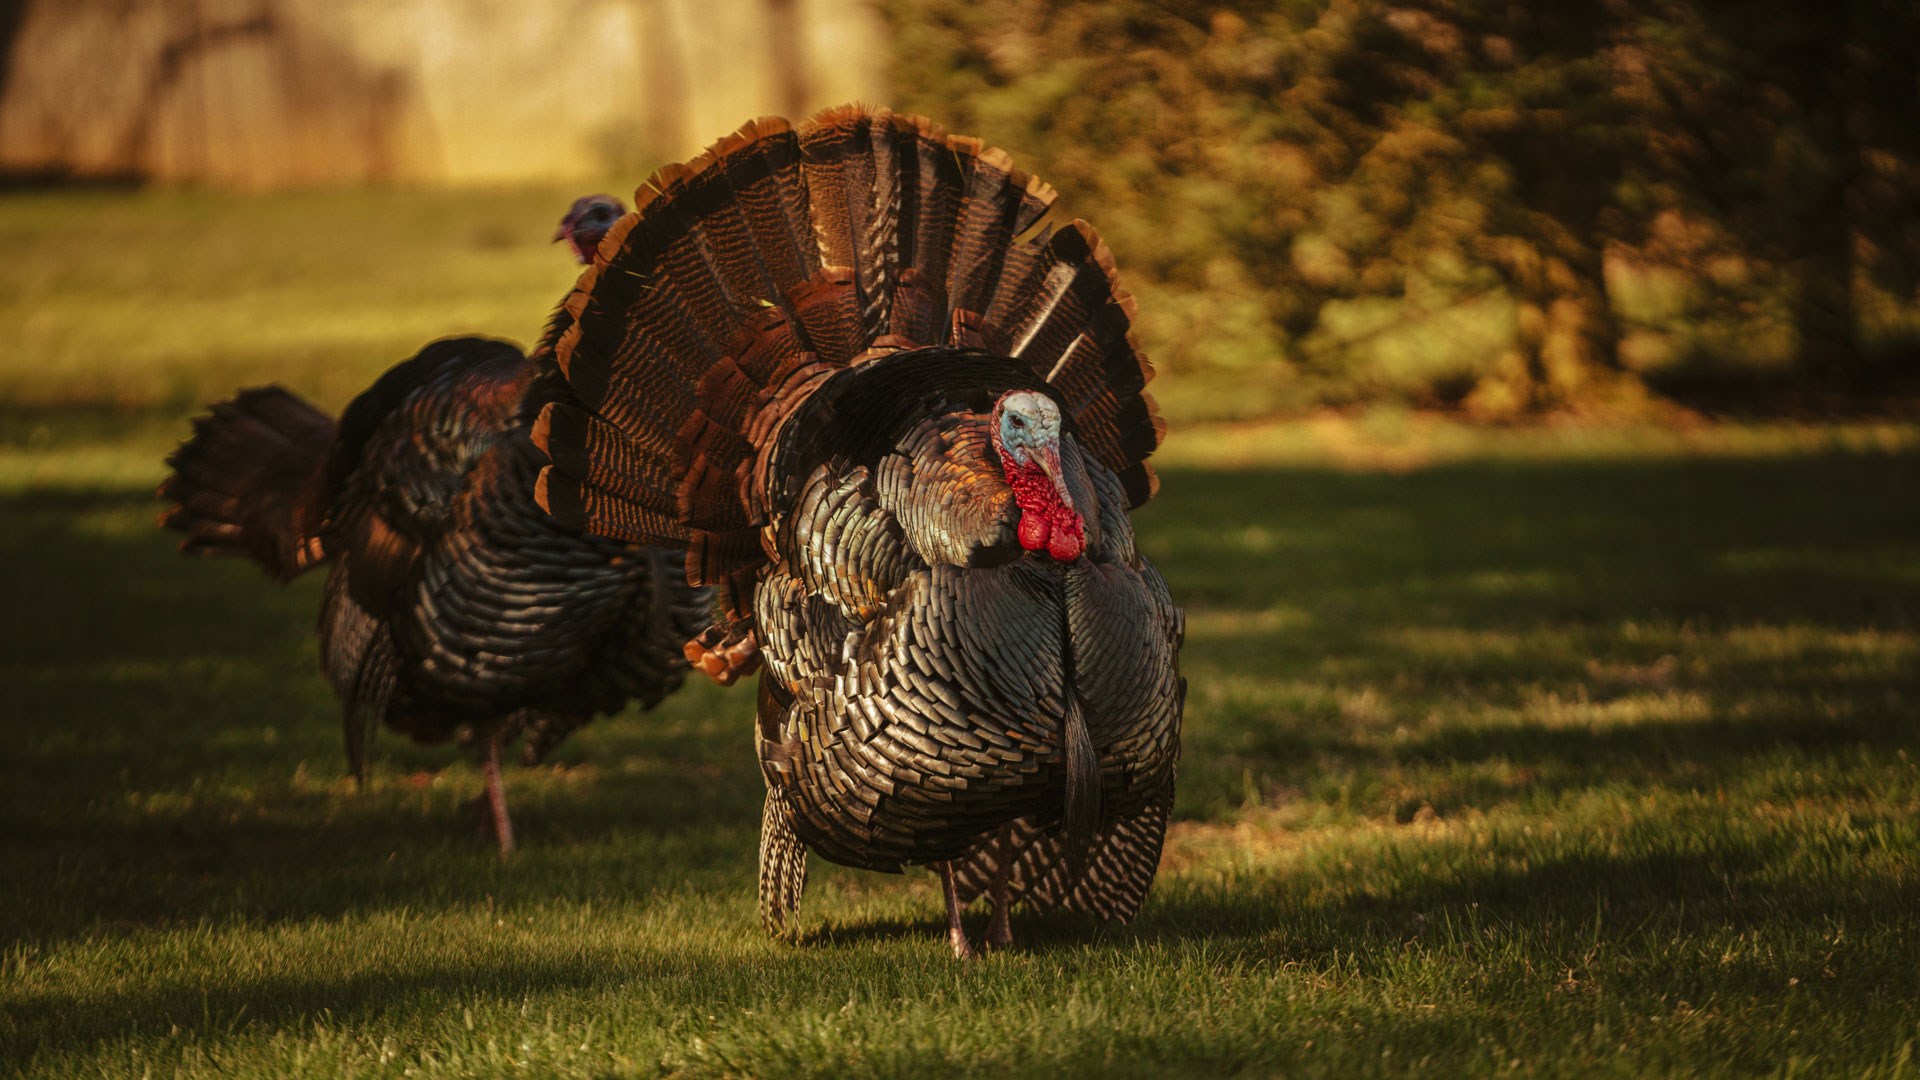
899, 426
586, 221
454, 607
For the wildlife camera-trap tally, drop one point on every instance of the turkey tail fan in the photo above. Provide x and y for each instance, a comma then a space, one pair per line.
746, 277
243, 483
1071, 322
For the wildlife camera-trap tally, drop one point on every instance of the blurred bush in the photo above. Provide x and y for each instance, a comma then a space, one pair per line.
1498, 208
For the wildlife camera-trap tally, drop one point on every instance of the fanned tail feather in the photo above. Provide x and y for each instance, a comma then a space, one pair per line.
243, 484
784, 253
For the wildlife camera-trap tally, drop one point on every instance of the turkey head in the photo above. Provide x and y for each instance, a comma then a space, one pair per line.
1026, 435
587, 221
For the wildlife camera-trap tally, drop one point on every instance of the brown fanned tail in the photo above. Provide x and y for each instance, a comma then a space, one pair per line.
746, 277
243, 484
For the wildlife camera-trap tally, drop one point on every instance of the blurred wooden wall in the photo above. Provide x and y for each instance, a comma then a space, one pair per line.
287, 93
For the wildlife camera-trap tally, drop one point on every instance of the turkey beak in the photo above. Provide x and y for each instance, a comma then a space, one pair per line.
560, 233
1048, 458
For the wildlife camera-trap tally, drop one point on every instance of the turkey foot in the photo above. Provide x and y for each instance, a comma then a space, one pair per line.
956, 934
720, 660
497, 797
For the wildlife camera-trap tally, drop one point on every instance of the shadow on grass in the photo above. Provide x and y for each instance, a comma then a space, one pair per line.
1560, 911
1645, 621
55, 1023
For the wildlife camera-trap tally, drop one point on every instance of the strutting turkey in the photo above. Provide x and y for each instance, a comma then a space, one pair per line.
454, 607
899, 426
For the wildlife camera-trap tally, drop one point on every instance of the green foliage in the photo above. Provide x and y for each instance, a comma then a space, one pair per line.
1543, 751
1287, 181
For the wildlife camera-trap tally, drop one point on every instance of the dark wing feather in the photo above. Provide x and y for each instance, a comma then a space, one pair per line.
357, 655
403, 454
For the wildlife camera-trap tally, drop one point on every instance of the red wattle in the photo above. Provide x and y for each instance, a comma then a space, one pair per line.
1034, 530
1067, 538
1046, 523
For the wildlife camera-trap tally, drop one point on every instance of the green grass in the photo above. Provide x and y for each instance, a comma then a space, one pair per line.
1548, 751
162, 299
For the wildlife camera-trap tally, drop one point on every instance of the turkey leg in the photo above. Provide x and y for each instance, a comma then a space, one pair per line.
999, 928
962, 948
497, 797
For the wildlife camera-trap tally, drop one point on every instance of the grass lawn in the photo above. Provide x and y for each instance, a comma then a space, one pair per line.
1547, 751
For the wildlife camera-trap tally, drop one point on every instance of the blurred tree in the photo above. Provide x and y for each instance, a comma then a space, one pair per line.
1795, 128
1439, 201
784, 29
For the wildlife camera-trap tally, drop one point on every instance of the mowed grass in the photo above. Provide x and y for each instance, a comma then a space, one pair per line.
1548, 751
